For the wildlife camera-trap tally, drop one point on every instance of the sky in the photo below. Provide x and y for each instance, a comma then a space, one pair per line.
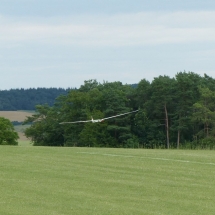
62, 43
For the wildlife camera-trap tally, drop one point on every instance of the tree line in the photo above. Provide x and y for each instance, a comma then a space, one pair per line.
27, 99
176, 112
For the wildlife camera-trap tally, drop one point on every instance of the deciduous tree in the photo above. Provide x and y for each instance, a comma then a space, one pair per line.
8, 135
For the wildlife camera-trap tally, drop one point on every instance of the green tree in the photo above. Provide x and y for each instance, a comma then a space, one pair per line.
115, 100
96, 134
89, 85
204, 113
186, 95
160, 105
209, 82
74, 107
142, 93
141, 128
8, 135
45, 129
97, 101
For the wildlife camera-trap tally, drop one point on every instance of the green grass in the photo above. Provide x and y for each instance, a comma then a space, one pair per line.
90, 181
24, 143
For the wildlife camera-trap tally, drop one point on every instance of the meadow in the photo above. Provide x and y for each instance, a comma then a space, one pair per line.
90, 181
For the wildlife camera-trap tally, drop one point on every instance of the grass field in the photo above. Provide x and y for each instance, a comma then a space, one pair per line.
91, 181
25, 143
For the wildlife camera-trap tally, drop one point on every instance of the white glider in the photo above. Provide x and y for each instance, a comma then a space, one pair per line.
99, 120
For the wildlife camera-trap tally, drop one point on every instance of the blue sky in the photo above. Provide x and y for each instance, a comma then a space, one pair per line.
61, 43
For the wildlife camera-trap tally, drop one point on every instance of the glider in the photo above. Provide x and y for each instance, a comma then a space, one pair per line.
99, 120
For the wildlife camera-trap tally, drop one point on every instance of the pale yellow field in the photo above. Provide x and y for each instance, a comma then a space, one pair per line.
19, 116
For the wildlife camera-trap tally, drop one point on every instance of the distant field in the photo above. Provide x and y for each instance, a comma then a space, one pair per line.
91, 181
19, 116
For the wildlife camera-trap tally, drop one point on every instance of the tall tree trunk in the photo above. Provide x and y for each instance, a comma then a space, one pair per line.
179, 133
178, 139
207, 129
167, 127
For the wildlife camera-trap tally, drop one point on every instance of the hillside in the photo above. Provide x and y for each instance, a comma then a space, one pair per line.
27, 99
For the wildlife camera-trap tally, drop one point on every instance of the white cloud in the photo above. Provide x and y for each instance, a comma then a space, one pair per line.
117, 30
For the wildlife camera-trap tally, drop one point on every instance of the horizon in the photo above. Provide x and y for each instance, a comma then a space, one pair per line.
95, 80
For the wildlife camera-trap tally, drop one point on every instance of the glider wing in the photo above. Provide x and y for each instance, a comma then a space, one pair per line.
120, 115
75, 122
